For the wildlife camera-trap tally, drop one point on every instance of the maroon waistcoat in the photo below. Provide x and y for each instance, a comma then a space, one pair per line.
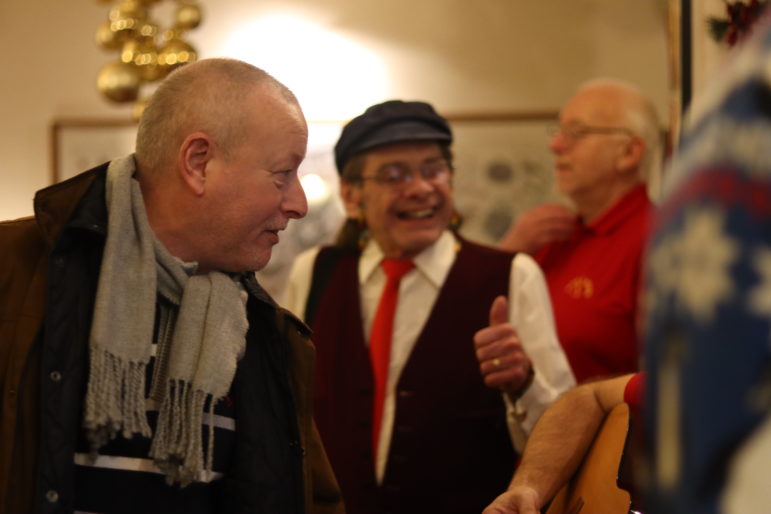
450, 450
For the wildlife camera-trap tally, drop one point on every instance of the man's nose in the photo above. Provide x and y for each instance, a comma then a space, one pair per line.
295, 204
557, 142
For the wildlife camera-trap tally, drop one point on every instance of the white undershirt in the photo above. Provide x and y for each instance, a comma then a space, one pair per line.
529, 310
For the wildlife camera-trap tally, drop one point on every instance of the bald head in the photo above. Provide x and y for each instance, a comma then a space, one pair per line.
206, 96
618, 103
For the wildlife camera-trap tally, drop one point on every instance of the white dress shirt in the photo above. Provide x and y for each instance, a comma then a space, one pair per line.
529, 311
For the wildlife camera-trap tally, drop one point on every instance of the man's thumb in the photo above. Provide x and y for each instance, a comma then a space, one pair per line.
499, 311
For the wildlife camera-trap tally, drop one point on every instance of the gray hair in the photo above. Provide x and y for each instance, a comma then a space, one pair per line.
204, 96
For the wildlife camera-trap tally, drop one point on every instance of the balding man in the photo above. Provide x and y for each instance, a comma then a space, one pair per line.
605, 145
143, 368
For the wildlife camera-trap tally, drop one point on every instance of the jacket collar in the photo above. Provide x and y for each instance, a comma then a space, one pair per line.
256, 290
78, 203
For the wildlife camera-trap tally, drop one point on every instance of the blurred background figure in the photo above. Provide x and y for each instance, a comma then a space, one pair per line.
605, 145
708, 302
709, 297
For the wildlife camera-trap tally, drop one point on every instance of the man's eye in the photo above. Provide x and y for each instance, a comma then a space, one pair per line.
283, 177
434, 169
391, 174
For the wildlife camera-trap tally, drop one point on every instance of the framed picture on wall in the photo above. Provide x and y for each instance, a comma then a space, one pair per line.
696, 55
78, 144
503, 167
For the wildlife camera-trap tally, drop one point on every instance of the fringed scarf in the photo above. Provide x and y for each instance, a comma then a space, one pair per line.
196, 365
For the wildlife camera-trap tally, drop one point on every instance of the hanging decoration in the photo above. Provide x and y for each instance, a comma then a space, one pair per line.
734, 28
146, 53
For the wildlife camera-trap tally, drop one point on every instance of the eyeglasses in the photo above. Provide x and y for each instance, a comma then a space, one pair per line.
399, 174
572, 133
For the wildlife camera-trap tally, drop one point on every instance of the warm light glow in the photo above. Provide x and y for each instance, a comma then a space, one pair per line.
316, 188
333, 77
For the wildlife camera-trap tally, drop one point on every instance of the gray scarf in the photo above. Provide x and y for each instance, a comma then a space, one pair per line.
195, 366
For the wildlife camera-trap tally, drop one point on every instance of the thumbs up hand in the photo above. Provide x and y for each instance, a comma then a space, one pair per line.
503, 362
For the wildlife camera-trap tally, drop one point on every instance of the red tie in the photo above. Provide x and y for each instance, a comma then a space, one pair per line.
380, 340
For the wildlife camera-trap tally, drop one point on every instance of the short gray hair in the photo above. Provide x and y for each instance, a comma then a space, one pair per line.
205, 96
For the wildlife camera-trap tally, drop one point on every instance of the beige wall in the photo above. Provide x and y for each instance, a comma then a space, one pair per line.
464, 56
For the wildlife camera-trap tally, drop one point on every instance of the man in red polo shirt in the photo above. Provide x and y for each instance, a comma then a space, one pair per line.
606, 143
708, 315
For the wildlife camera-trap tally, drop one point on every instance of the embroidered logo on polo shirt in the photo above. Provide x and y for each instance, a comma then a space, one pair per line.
580, 288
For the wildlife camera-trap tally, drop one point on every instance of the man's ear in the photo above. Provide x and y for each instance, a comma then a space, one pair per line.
632, 155
350, 193
195, 153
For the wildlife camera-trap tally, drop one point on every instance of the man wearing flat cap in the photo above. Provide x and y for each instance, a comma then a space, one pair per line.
417, 399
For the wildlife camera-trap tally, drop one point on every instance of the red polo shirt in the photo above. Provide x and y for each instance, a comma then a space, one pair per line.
594, 281
634, 392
